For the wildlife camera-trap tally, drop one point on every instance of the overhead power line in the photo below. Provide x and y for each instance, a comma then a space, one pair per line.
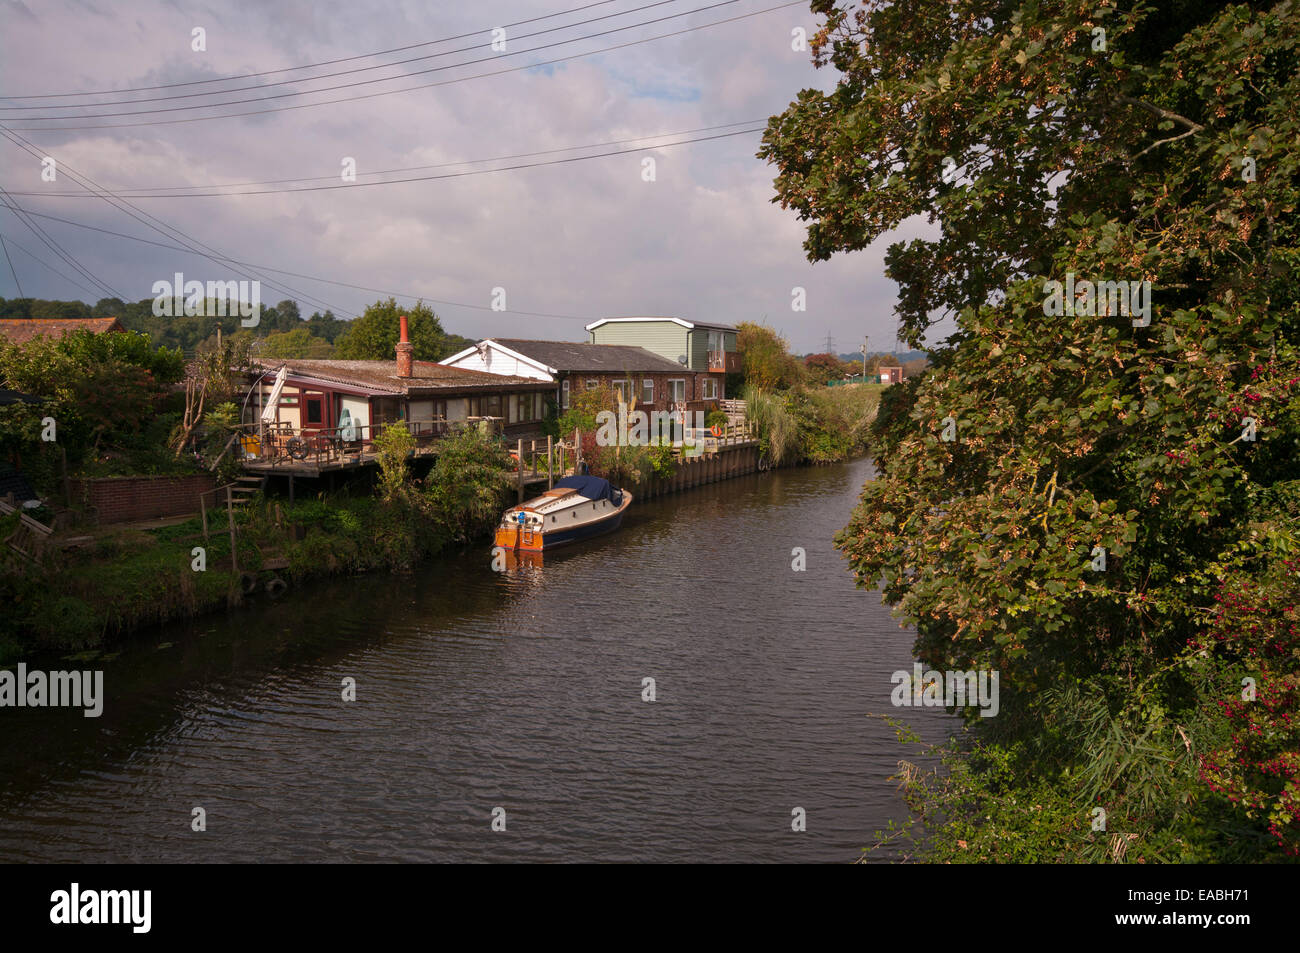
42, 262
154, 223
290, 69
11, 266
415, 168
49, 242
295, 274
391, 92
417, 178
360, 69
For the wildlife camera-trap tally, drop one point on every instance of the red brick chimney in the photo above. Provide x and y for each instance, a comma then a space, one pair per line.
405, 352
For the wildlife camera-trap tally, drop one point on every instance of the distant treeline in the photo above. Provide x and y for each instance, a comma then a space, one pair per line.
283, 323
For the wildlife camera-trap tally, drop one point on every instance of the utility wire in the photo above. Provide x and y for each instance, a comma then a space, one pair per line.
290, 69
11, 266
160, 225
48, 241
359, 69
417, 178
415, 168
294, 274
41, 261
391, 92
363, 82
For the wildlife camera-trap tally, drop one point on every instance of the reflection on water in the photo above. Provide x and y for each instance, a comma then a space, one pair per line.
520, 689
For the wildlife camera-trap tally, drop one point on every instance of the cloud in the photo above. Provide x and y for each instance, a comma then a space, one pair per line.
703, 240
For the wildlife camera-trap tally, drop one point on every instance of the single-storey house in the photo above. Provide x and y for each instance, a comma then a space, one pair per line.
320, 395
656, 382
343, 404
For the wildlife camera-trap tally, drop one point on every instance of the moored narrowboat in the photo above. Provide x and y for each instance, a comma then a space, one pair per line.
578, 507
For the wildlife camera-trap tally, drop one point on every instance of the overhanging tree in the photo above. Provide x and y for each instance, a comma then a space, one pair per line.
1075, 142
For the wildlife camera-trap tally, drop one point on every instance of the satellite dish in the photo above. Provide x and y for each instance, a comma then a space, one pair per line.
681, 359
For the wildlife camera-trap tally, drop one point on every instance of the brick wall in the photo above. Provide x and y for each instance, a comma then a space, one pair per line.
694, 385
123, 499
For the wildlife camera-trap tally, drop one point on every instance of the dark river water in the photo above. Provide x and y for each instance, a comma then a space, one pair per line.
520, 690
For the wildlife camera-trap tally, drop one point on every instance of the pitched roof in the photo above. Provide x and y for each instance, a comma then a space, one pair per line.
597, 358
381, 376
22, 330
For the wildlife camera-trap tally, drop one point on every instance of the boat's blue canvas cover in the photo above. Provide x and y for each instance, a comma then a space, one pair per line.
591, 487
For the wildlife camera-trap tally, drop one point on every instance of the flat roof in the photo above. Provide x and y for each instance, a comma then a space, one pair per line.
681, 321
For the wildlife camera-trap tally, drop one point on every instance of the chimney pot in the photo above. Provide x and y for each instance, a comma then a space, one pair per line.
405, 351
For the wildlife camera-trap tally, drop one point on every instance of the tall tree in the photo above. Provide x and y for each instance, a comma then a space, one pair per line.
1062, 494
373, 336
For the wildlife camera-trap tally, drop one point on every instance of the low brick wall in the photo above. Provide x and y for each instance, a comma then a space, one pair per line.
124, 499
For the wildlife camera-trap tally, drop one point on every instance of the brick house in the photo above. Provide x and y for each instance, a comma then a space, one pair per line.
656, 382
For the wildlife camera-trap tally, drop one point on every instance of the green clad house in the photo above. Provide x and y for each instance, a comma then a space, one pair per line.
696, 345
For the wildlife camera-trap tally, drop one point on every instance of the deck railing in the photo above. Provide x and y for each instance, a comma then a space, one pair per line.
282, 444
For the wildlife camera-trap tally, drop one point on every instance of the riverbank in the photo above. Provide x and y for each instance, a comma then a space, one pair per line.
131, 577
816, 425
521, 689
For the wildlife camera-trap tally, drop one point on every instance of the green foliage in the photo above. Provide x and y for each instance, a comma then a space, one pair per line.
374, 335
468, 485
219, 426
103, 391
393, 446
584, 406
779, 439
1076, 430
766, 359
300, 342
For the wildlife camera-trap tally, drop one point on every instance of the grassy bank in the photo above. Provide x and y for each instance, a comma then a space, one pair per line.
813, 425
130, 578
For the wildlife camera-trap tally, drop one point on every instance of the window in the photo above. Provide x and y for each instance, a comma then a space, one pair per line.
492, 406
590, 384
314, 410
564, 394
648, 390
710, 388
527, 407
623, 389
715, 340
677, 390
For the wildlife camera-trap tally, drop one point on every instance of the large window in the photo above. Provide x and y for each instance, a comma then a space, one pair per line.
677, 390
623, 389
648, 390
710, 388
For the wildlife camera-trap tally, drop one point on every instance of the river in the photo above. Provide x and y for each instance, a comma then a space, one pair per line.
520, 690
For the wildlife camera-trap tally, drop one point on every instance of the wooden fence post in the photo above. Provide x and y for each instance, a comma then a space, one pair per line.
230, 515
521, 469
550, 471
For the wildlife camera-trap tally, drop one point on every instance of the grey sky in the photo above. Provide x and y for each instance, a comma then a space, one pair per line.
588, 239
